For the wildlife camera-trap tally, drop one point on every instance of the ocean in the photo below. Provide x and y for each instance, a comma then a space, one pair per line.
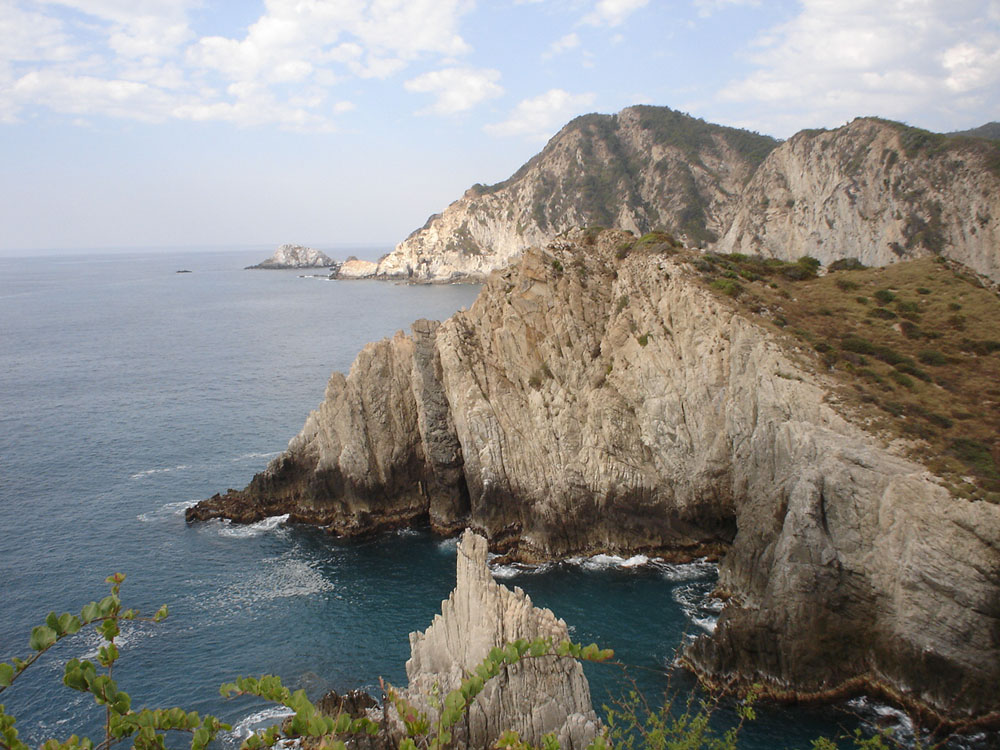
129, 391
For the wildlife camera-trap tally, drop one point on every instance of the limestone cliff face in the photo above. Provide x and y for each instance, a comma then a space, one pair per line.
587, 403
533, 697
644, 168
876, 191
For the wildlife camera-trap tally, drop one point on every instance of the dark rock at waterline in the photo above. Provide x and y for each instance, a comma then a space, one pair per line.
590, 403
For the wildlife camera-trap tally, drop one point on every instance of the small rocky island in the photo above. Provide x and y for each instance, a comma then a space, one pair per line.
296, 256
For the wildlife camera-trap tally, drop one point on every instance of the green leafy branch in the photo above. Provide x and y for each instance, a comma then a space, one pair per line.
120, 722
306, 721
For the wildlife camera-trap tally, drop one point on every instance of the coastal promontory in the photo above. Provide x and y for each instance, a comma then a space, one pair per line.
830, 437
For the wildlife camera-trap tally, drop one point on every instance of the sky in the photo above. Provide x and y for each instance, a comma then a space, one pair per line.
184, 123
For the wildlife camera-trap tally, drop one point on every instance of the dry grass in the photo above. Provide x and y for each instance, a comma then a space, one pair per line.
913, 347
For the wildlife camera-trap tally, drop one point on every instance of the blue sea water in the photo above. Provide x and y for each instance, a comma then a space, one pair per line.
129, 391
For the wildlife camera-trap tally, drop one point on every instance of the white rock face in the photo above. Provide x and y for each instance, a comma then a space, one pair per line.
533, 697
853, 192
357, 269
296, 256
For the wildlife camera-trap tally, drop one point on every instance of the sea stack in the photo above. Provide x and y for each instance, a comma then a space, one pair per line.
533, 697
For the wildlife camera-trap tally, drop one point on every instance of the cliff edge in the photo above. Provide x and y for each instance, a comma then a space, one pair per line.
612, 394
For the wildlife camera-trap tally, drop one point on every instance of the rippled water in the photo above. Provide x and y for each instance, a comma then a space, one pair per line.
128, 392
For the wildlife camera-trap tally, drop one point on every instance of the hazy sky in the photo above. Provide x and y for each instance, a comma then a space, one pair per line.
194, 122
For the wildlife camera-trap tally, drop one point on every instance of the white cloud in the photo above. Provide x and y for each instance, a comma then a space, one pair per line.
274, 72
903, 59
456, 89
539, 117
708, 7
563, 44
89, 95
613, 12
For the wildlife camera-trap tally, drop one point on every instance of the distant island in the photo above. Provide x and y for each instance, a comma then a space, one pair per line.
296, 256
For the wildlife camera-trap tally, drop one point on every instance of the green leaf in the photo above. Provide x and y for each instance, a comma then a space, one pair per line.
42, 637
107, 605
539, 647
69, 624
6, 674
108, 629
90, 612
161, 614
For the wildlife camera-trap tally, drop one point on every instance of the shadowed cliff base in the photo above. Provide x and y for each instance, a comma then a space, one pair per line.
613, 394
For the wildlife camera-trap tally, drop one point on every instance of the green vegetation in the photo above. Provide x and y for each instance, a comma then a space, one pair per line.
846, 264
920, 142
146, 728
878, 353
683, 721
691, 135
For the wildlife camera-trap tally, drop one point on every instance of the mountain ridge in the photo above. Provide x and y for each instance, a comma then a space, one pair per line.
652, 168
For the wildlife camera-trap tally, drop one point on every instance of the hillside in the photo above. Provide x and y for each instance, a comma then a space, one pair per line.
644, 168
873, 189
990, 130
832, 438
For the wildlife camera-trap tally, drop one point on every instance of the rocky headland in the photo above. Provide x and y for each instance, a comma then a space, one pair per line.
613, 394
295, 256
874, 189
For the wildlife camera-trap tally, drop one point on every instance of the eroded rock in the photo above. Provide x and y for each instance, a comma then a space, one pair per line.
533, 697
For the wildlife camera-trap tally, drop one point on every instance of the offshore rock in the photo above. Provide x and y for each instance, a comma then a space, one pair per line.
533, 697
590, 402
295, 256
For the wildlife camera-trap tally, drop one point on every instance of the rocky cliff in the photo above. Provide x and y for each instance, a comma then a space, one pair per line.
296, 256
874, 190
533, 697
608, 394
644, 168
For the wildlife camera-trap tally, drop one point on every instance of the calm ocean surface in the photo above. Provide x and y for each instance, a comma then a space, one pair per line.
128, 391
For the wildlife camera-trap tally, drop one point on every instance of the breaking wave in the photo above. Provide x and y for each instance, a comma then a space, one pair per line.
243, 531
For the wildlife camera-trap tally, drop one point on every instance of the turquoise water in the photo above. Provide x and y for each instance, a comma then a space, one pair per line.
128, 391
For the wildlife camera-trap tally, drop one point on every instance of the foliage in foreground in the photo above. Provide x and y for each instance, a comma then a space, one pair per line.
630, 725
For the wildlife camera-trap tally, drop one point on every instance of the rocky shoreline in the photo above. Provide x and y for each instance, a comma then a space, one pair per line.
595, 401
